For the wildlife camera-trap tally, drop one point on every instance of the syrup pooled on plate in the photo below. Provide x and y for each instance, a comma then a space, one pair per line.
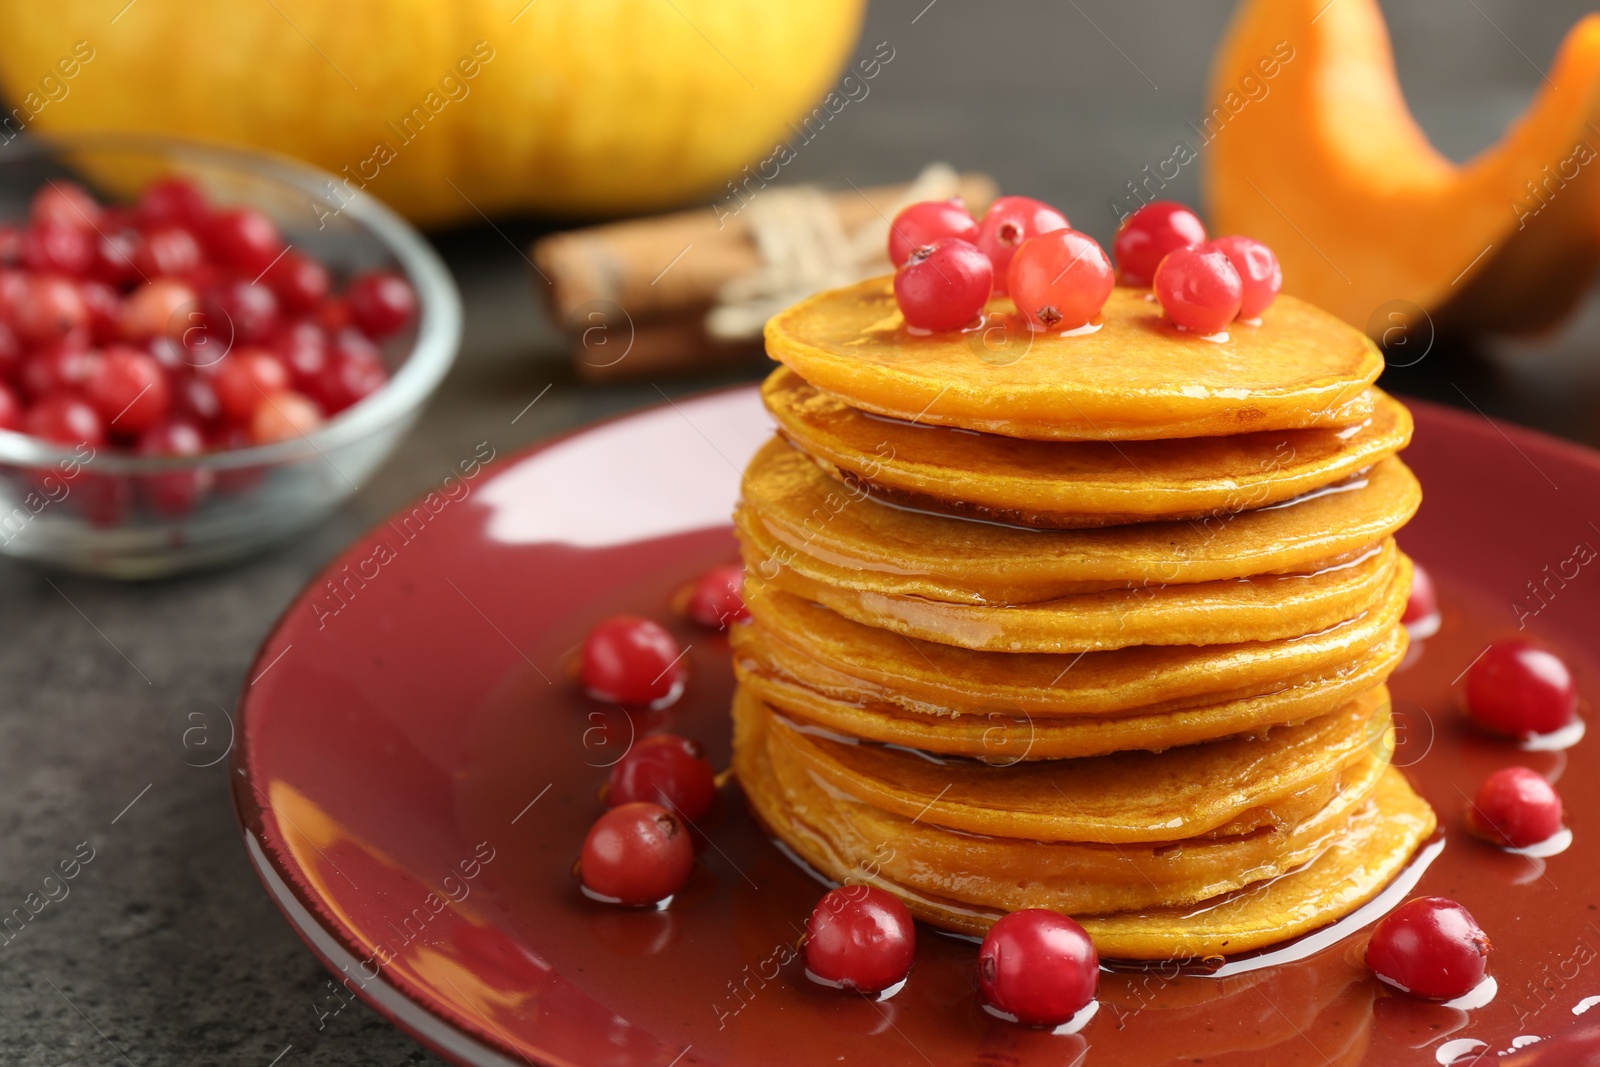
720, 969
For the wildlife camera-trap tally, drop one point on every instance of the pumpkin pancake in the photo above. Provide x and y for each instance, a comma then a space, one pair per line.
834, 534
1300, 877
1002, 740
1263, 608
1072, 484
1136, 378
1275, 779
921, 675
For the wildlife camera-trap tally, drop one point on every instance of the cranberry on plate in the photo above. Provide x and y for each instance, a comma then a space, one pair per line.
1521, 689
1423, 603
1515, 807
1430, 947
860, 937
632, 660
1038, 967
664, 769
716, 600
636, 855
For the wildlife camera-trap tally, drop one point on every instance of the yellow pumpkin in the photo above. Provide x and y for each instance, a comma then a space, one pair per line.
1309, 146
449, 108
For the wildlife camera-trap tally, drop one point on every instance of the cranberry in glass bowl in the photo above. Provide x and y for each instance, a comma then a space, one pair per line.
220, 425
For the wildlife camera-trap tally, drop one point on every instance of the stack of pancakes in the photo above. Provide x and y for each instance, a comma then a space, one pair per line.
1098, 623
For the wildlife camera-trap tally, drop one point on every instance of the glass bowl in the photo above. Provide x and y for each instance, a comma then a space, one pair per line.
101, 511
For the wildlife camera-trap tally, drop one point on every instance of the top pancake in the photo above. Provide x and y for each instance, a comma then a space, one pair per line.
1137, 378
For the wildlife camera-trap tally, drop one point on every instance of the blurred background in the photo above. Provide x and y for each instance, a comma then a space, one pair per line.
169, 951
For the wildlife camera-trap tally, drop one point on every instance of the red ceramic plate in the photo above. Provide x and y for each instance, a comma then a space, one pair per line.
416, 774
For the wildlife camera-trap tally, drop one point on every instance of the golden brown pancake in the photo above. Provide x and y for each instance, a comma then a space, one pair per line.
1220, 789
1074, 484
1136, 378
1001, 739
1136, 901
925, 677
1264, 608
841, 536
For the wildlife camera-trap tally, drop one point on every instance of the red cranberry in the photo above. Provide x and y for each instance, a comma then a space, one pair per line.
282, 416
10, 352
1146, 237
860, 937
246, 377
66, 203
105, 311
174, 492
114, 253
164, 307
1520, 689
333, 315
167, 252
1258, 269
381, 303
173, 200
1038, 966
58, 248
636, 854
1430, 947
64, 367
243, 310
303, 347
668, 770
353, 370
1423, 602
716, 600
129, 390
299, 282
244, 239
1199, 290
632, 660
65, 420
1516, 807
924, 223
944, 285
1010, 221
10, 408
10, 245
197, 399
52, 308
15, 289
1060, 280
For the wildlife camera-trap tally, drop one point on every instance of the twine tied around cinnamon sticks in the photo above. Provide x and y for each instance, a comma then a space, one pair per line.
691, 291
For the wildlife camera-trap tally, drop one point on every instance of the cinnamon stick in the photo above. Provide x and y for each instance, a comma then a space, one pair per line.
670, 264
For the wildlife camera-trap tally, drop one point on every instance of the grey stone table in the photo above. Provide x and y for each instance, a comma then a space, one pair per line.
165, 950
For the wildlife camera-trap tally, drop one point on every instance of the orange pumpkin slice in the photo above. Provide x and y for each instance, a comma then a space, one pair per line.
1137, 378
1368, 219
